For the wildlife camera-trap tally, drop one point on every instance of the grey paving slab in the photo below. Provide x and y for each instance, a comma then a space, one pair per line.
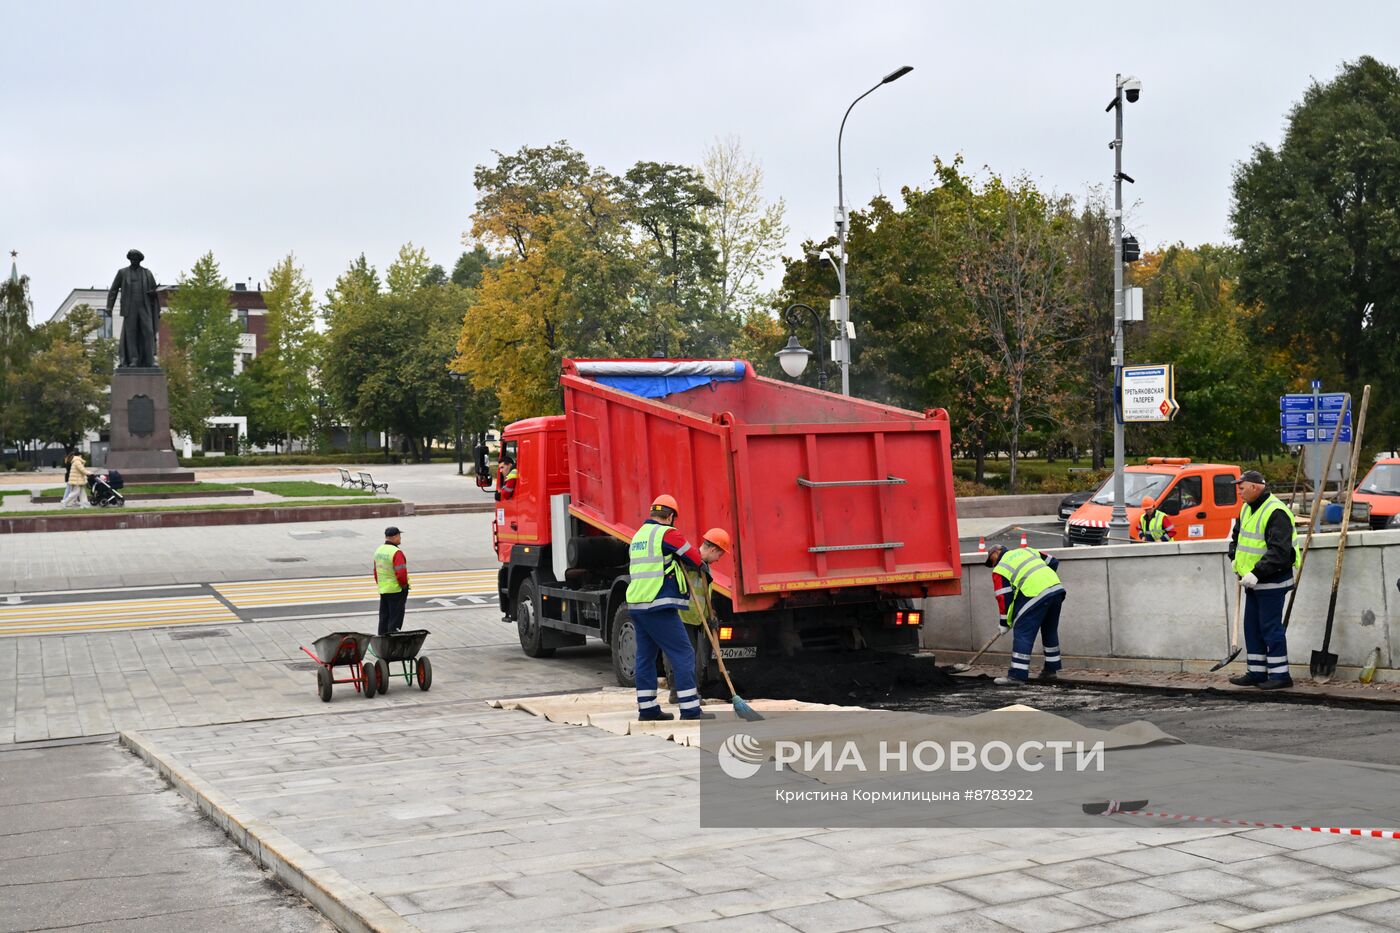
91, 839
1043, 915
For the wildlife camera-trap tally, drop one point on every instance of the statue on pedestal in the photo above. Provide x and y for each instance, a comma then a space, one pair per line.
140, 313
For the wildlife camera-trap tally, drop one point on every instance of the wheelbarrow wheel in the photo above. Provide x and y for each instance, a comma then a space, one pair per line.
323, 684
425, 673
371, 682
381, 674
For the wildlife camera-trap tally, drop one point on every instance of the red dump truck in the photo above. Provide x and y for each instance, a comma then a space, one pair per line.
841, 511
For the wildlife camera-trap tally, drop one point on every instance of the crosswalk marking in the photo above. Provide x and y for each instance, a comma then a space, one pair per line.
117, 613
351, 589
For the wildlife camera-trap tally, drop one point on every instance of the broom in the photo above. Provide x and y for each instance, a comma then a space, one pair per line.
742, 709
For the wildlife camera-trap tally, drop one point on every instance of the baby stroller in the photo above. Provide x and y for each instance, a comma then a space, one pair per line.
102, 489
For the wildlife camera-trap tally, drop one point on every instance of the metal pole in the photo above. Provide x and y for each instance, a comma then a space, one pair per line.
843, 339
457, 430
1119, 518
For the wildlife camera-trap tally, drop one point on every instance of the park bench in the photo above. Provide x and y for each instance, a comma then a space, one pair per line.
347, 480
367, 482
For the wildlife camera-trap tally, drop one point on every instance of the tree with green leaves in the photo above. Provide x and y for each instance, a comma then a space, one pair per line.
204, 339
62, 386
288, 363
470, 266
680, 270
748, 232
15, 337
387, 353
1318, 221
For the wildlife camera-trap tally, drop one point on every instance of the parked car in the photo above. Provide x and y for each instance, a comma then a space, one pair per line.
1380, 488
1071, 503
1201, 498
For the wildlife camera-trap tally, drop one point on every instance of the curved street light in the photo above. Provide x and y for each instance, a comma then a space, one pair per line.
793, 357
843, 334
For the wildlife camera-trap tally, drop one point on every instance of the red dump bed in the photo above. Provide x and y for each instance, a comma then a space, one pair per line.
818, 491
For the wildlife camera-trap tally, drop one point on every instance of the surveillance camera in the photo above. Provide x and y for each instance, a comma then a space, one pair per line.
1132, 88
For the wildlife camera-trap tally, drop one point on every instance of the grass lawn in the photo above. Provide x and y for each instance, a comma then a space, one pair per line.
305, 488
127, 510
16, 492
57, 491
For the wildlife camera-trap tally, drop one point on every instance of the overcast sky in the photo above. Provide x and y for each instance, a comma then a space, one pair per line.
334, 128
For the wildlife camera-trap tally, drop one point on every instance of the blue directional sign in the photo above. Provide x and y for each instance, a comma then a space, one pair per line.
1298, 436
1297, 419
1324, 435
1328, 419
1298, 403
1332, 401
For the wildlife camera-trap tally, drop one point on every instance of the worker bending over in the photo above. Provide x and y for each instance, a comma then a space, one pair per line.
1029, 596
699, 611
1155, 525
656, 592
1264, 551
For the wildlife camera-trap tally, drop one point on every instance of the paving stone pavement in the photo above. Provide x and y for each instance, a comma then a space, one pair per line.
161, 556
60, 686
461, 817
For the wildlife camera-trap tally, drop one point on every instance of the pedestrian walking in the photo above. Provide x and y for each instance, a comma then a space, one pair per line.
75, 481
656, 592
1155, 525
391, 575
1264, 552
1029, 596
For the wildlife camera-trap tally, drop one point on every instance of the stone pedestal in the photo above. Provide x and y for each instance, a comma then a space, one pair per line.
141, 447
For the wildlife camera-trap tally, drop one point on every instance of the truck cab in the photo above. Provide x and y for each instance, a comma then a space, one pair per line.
1201, 498
1380, 489
540, 449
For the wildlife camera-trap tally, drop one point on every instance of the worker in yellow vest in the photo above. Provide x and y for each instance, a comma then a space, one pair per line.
1029, 595
713, 545
391, 576
1155, 525
1264, 552
656, 592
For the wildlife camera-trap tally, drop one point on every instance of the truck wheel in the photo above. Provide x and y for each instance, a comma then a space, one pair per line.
527, 623
624, 648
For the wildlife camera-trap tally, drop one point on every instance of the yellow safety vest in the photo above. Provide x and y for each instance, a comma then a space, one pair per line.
648, 566
1153, 529
698, 611
384, 565
1251, 546
1026, 574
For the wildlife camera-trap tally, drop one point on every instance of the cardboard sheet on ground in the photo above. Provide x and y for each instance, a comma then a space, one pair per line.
614, 710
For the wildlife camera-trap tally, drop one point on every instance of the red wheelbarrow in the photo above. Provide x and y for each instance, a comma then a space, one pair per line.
401, 648
343, 649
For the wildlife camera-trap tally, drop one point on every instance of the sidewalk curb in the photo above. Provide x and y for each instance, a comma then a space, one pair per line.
108, 519
345, 905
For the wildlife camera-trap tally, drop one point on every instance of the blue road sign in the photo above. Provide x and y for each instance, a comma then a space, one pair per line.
1324, 436
1328, 419
1298, 436
1316, 384
1332, 401
1297, 419
1297, 403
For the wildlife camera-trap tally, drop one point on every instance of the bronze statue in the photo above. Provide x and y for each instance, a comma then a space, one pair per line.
140, 312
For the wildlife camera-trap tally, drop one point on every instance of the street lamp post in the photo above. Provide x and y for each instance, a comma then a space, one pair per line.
1131, 88
843, 301
794, 356
457, 380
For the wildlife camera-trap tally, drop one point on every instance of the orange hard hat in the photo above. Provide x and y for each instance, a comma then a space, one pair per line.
665, 502
718, 537
1148, 502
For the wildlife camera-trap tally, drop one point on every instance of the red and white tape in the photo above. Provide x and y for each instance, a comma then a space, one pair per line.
1334, 830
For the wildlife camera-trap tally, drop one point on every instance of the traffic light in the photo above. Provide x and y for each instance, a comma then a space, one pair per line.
1131, 252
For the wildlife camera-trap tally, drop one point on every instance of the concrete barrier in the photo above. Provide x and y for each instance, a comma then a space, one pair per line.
1008, 506
1170, 602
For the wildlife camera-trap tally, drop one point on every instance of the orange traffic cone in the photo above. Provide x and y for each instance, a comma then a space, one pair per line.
982, 545
1023, 539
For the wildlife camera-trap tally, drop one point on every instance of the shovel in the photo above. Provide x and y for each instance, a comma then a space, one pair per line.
1324, 663
966, 666
1235, 631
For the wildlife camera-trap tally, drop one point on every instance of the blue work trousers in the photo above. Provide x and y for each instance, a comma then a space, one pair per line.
1265, 644
1041, 614
663, 629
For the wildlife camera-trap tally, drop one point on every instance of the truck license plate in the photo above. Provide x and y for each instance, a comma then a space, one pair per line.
751, 652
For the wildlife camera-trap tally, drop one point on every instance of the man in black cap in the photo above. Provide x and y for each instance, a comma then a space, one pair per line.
391, 576
1264, 552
